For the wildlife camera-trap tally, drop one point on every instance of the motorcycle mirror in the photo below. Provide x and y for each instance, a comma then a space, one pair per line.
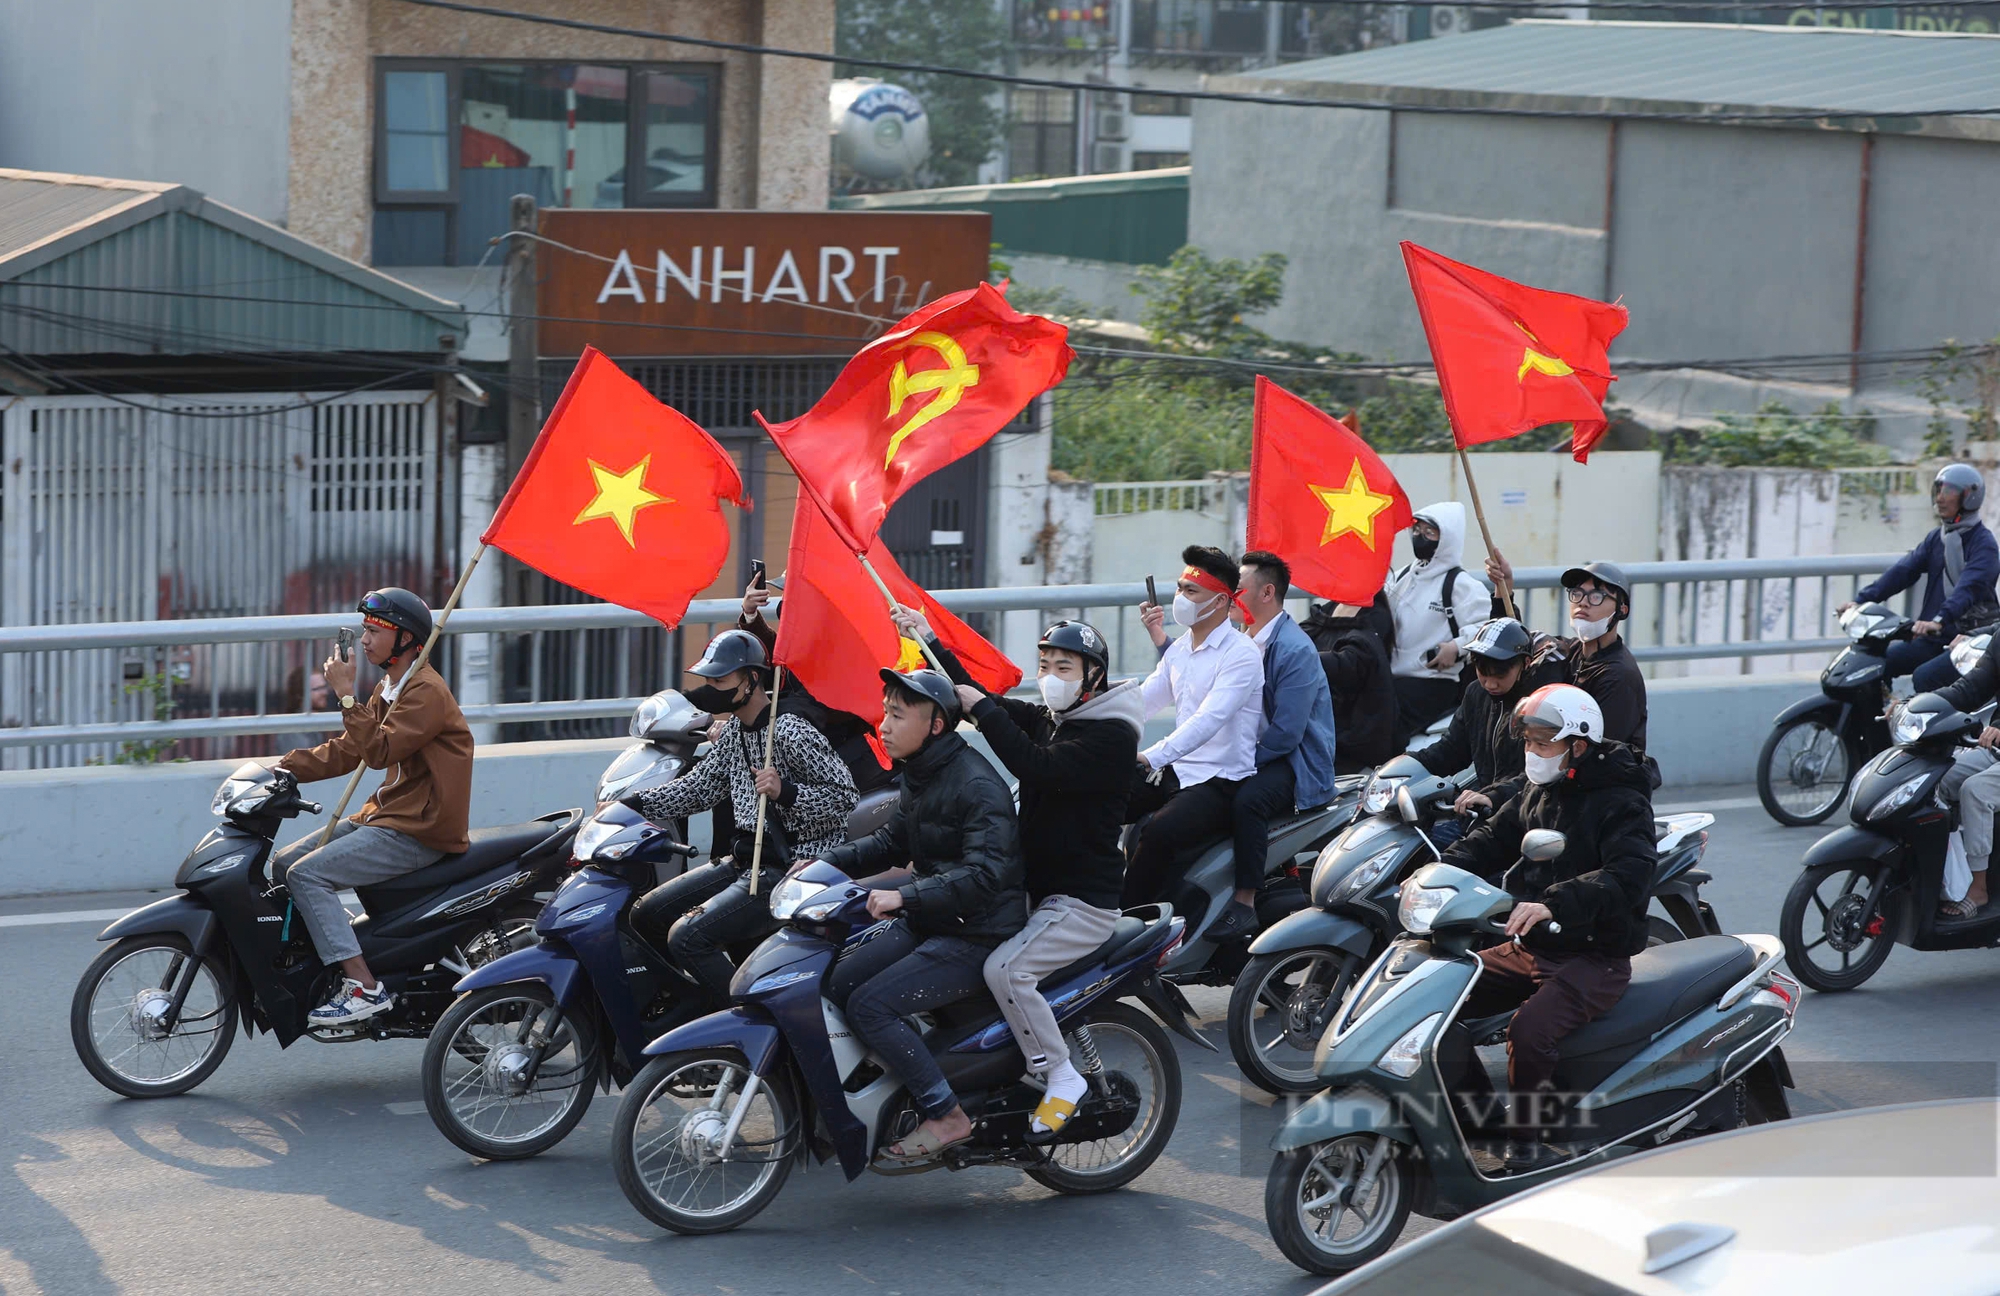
1542, 844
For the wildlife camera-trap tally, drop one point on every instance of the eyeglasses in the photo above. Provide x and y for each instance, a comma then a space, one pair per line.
1591, 598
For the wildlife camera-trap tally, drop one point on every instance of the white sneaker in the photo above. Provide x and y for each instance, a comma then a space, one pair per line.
351, 1004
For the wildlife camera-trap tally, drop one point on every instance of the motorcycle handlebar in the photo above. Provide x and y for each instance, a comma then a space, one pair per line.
682, 849
311, 807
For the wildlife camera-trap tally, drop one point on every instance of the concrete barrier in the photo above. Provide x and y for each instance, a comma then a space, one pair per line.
125, 827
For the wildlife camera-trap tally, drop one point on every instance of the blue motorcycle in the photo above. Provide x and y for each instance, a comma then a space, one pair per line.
709, 1130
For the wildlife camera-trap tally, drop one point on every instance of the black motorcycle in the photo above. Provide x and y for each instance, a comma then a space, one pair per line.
1876, 883
155, 1014
1816, 744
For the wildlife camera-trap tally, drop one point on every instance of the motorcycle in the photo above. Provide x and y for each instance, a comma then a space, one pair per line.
514, 1063
155, 1014
1816, 744
708, 1131
1876, 883
1411, 1110
1302, 968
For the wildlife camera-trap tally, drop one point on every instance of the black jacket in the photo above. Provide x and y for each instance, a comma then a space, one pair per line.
954, 826
1598, 887
1612, 676
1355, 652
1482, 735
1976, 687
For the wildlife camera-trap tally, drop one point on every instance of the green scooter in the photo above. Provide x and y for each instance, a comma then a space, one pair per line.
1413, 1115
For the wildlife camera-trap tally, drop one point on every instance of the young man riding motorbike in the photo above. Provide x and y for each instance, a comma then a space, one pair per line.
1958, 562
954, 826
1354, 644
1581, 916
1974, 780
410, 726
846, 733
1596, 658
1482, 729
697, 915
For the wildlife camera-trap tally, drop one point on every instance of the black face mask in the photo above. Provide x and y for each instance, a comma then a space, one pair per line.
713, 700
1422, 546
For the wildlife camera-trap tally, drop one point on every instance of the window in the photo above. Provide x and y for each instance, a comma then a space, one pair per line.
456, 141
1041, 133
1161, 105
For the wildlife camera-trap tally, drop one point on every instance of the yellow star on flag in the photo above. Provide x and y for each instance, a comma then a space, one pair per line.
620, 496
1351, 508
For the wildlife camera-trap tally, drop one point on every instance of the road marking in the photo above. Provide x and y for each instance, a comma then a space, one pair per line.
1726, 803
64, 916
405, 1108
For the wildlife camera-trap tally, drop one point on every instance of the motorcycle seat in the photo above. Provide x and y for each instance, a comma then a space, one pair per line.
1668, 982
1127, 931
488, 849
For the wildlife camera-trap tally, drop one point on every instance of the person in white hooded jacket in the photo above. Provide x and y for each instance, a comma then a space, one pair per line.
1433, 623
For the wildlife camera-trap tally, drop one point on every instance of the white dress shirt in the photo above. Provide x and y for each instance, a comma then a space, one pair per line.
1217, 692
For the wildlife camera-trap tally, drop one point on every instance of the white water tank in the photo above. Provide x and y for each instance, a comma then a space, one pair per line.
880, 130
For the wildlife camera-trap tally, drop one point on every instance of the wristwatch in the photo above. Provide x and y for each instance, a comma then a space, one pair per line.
346, 701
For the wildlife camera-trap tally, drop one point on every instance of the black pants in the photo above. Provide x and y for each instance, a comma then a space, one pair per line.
1420, 703
1268, 794
898, 972
697, 916
1178, 821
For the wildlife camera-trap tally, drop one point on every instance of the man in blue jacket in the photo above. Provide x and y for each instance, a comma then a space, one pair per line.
1958, 561
1295, 742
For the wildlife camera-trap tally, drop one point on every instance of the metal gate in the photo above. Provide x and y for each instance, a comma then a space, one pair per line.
148, 507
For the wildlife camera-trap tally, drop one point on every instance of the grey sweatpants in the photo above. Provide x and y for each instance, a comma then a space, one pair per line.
1974, 778
357, 856
1062, 930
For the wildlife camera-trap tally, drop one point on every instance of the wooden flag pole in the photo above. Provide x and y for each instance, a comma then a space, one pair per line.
423, 655
873, 575
1472, 488
770, 734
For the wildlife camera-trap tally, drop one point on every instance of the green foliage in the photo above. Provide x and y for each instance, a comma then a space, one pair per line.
1776, 436
1955, 367
966, 124
161, 689
1196, 303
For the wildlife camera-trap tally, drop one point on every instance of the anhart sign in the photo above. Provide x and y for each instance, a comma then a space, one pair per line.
736, 283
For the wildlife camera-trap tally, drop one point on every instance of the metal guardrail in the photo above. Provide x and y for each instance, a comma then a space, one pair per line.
1672, 596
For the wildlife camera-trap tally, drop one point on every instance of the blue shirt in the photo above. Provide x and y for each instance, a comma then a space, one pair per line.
1944, 606
1298, 711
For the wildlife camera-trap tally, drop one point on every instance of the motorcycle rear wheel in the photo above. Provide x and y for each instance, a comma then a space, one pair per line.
1304, 1210
106, 1014
1841, 926
467, 1088
1130, 1041
1278, 1011
1803, 772
662, 1150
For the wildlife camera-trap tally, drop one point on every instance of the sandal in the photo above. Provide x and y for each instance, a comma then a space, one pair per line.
1053, 1113
1957, 910
917, 1147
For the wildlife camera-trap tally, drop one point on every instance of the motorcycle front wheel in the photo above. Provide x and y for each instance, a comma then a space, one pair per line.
1802, 772
1279, 1009
505, 1075
1118, 1040
1833, 941
666, 1142
116, 1018
1319, 1213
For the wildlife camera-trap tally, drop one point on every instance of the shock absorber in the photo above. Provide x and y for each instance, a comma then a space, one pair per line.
1087, 1060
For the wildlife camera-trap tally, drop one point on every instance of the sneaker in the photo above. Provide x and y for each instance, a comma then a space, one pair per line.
1238, 921
351, 1004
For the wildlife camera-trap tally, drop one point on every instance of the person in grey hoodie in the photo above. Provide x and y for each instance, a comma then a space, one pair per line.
1437, 606
1073, 754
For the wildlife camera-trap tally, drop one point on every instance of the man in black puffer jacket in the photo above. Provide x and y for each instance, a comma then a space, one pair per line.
1581, 916
1354, 645
954, 826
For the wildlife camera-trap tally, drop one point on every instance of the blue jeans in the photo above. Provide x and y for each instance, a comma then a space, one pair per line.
1909, 656
897, 973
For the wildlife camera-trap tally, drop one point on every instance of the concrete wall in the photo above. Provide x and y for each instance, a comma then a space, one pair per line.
184, 91
1104, 286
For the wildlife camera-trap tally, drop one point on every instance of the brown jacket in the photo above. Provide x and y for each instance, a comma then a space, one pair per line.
424, 745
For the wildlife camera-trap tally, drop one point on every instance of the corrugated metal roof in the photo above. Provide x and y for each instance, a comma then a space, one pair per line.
1841, 70
1130, 217
1016, 191
90, 265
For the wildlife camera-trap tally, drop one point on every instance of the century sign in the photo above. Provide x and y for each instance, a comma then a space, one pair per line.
732, 283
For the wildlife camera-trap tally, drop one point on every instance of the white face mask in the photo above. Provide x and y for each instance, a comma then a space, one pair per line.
1187, 611
1060, 694
1583, 629
1543, 769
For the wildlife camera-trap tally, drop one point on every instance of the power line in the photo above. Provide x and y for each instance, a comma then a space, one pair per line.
1226, 96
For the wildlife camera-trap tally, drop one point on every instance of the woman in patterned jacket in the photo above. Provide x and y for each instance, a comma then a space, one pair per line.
698, 915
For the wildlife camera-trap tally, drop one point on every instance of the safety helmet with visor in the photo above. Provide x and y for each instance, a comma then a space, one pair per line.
1967, 481
401, 611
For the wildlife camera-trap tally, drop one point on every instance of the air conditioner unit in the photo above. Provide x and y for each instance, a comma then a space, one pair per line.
1450, 20
1106, 158
1111, 124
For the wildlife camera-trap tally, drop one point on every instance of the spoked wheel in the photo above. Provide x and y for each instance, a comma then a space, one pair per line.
1325, 1209
1802, 772
117, 1020
1129, 1052
1278, 1011
505, 1075
1833, 939
672, 1148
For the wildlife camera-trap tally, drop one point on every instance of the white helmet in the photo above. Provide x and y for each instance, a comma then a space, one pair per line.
1558, 711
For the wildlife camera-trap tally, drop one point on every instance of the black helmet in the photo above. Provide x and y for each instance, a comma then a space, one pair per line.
401, 609
732, 650
1604, 573
927, 686
1966, 480
1500, 640
1081, 638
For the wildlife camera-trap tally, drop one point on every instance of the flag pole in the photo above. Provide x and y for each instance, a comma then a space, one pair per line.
1472, 488
770, 733
423, 655
873, 575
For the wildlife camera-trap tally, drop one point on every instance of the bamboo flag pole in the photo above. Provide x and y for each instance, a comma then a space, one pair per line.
423, 655
873, 575
1472, 488
770, 734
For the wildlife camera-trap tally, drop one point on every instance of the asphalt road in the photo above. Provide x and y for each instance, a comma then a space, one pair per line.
315, 1169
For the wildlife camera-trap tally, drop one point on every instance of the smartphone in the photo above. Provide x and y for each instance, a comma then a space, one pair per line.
344, 646
1152, 592
757, 573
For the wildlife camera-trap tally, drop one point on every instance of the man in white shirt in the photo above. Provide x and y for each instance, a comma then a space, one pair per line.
1213, 676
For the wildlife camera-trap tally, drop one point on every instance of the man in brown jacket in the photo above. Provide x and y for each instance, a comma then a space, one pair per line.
411, 727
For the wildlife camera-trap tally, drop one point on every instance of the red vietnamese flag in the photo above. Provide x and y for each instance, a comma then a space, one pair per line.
1509, 357
1320, 498
620, 496
834, 631
933, 389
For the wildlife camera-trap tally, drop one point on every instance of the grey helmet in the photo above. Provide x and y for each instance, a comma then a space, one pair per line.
929, 685
732, 650
1967, 481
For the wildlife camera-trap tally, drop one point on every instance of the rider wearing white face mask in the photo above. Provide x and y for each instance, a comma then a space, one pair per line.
1594, 657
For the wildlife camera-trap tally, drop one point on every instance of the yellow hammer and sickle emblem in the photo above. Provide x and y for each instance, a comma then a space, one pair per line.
1535, 360
949, 383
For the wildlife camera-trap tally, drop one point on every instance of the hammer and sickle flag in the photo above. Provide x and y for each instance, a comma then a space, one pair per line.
1510, 357
620, 496
934, 388
1320, 498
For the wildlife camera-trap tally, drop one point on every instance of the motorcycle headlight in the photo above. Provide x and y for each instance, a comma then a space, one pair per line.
591, 836
1402, 1058
1380, 794
620, 849
1903, 794
1967, 655
1363, 879
231, 789
791, 895
1417, 906
1909, 726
